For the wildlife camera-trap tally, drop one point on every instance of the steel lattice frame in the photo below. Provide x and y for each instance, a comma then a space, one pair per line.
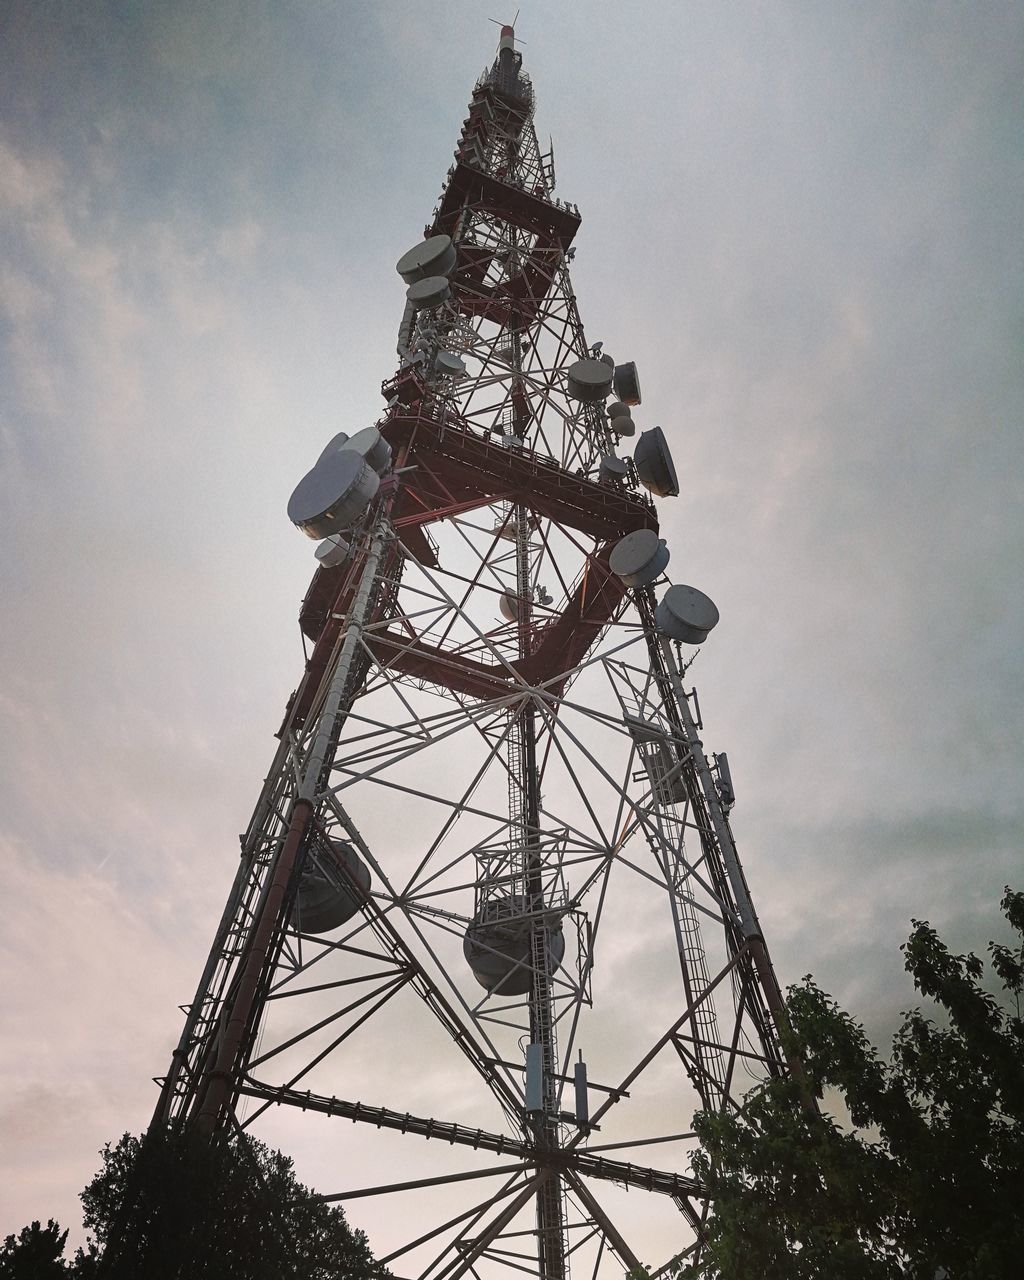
553, 761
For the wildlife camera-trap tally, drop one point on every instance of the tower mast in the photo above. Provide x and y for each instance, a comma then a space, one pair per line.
489, 763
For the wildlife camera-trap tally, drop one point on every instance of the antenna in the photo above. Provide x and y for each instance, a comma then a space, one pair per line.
508, 28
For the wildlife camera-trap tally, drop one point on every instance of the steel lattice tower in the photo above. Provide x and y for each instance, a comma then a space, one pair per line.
490, 784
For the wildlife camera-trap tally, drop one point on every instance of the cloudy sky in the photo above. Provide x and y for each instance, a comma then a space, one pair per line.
801, 219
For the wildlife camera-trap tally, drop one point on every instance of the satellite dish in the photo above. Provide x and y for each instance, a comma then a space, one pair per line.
627, 383
613, 468
686, 614
654, 464
639, 558
327, 897
429, 292
332, 497
334, 444
333, 552
433, 257
448, 362
499, 941
619, 420
605, 358
509, 606
589, 381
372, 448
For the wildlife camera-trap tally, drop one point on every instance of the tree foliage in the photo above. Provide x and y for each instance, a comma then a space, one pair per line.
188, 1207
171, 1206
928, 1177
36, 1253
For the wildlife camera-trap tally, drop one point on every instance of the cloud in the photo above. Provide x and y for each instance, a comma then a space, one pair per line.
81, 1024
803, 225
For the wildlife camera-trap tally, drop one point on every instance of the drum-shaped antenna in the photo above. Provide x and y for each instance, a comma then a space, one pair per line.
330, 893
433, 257
451, 364
686, 614
372, 448
429, 292
498, 947
654, 464
333, 552
627, 383
639, 557
589, 381
334, 444
613, 468
332, 497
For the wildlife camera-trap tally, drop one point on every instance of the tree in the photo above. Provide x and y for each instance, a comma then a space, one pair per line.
36, 1254
173, 1205
181, 1206
927, 1179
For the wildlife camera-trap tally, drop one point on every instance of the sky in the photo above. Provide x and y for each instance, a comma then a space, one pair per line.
801, 220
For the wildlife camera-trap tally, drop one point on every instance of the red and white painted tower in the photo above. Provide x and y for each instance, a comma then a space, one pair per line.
491, 836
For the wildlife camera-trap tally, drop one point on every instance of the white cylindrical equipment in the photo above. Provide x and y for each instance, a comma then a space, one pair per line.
333, 552
429, 292
639, 558
372, 448
497, 946
686, 614
451, 364
331, 498
433, 257
589, 381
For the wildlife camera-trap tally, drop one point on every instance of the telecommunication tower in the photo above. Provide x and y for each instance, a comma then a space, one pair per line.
490, 817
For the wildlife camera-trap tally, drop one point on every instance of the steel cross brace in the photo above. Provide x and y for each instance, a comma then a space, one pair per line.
626, 1174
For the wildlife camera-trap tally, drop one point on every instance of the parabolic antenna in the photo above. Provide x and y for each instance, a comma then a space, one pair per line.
613, 468
327, 898
332, 497
334, 444
619, 419
433, 257
654, 464
639, 558
372, 448
448, 362
627, 383
497, 946
686, 614
333, 551
429, 292
589, 381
